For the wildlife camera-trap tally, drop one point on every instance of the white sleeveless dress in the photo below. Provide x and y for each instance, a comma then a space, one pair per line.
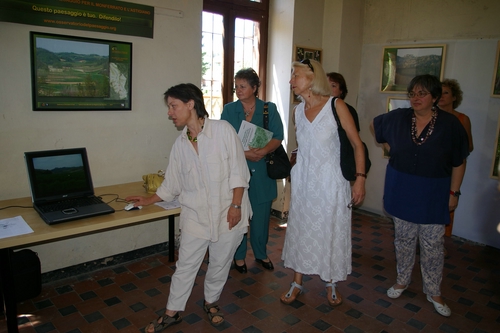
318, 235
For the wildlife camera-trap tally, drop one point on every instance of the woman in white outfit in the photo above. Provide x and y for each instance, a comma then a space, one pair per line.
318, 236
209, 173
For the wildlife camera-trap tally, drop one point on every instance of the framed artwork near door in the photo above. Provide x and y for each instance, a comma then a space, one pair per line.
301, 53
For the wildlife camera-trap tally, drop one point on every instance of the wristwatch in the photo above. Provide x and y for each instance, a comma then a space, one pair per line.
235, 206
455, 193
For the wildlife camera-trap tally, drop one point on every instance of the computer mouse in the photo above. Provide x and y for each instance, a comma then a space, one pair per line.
131, 207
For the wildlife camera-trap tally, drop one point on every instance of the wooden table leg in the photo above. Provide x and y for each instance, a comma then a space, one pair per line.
171, 238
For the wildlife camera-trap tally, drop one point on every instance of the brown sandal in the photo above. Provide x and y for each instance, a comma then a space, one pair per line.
163, 322
211, 315
336, 298
292, 294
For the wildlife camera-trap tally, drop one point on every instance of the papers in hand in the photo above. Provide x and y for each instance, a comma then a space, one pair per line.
253, 136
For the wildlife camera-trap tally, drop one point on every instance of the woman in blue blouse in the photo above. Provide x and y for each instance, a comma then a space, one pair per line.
262, 190
428, 150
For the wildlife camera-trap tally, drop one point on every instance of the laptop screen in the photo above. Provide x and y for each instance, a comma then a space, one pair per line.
58, 174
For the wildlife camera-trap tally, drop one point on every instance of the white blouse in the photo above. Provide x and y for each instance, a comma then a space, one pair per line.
205, 181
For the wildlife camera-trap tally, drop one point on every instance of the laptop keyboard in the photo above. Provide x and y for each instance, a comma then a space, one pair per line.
70, 203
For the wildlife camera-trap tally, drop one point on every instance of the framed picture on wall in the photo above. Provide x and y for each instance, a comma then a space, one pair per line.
496, 155
397, 102
300, 54
495, 86
71, 73
394, 103
400, 64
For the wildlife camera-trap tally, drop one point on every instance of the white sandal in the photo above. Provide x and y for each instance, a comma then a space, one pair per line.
336, 301
289, 294
395, 293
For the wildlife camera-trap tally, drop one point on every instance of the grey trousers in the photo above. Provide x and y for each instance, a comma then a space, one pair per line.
431, 240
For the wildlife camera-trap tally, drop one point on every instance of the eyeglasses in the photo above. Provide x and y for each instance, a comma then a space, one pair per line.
420, 94
308, 63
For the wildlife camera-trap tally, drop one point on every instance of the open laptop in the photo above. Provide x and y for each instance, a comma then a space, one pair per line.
61, 185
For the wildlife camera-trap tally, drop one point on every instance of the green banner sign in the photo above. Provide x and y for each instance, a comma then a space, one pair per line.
118, 17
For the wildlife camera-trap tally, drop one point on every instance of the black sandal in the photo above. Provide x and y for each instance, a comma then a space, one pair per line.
212, 315
166, 321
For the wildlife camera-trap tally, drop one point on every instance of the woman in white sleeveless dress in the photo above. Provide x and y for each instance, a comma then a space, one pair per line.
318, 236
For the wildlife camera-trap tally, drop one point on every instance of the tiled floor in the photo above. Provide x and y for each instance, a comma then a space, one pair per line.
126, 297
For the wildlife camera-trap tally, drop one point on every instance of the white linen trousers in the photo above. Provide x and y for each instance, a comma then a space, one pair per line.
192, 251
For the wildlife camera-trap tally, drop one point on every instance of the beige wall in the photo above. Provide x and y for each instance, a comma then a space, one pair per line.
394, 21
471, 30
122, 145
342, 42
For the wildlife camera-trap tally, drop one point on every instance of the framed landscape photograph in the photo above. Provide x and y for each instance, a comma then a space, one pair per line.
496, 155
71, 73
495, 86
400, 64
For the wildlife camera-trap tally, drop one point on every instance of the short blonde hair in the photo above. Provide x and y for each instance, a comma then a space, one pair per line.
319, 81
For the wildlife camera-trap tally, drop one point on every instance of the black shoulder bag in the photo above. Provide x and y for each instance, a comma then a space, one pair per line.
278, 164
347, 161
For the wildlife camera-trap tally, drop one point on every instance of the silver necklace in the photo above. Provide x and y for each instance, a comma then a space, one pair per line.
247, 113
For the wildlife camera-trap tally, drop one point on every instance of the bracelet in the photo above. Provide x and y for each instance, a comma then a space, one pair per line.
360, 174
235, 206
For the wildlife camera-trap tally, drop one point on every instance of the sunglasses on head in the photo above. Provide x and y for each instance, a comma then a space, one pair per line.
308, 63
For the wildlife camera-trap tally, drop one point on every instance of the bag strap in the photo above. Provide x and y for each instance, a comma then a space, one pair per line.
334, 110
266, 116
353, 113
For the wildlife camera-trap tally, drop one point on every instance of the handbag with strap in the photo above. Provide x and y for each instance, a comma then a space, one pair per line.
277, 162
347, 161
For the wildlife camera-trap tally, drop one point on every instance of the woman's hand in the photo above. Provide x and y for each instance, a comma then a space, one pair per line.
143, 201
453, 203
255, 154
358, 190
233, 216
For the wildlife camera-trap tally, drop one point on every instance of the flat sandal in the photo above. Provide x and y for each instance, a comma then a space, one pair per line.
211, 315
289, 296
166, 321
336, 297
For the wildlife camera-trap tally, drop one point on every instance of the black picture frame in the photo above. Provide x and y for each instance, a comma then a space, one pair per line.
71, 73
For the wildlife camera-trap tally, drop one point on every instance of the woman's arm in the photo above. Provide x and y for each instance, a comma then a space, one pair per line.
276, 126
256, 154
143, 201
347, 122
234, 212
468, 129
457, 175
